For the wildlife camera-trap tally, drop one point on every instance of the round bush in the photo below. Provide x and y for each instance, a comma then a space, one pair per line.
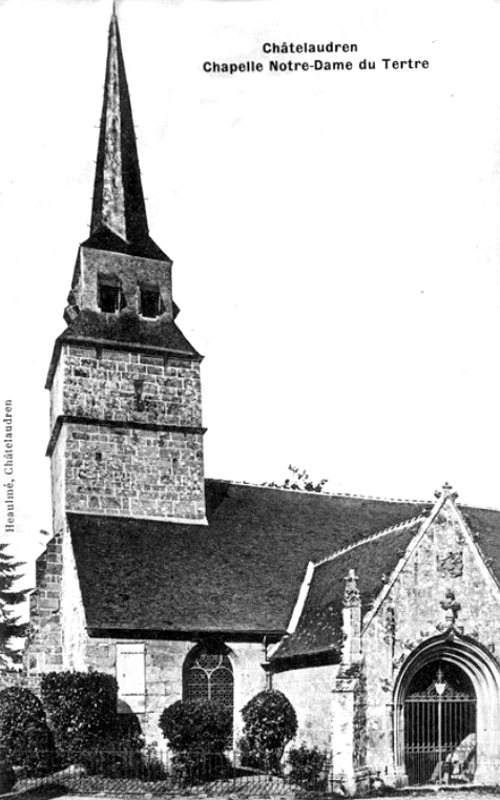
198, 733
197, 726
270, 723
25, 738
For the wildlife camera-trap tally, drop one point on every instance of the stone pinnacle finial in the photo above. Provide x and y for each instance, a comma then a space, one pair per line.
447, 490
118, 201
351, 591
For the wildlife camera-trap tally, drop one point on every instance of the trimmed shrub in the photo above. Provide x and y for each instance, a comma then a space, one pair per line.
270, 723
119, 753
81, 707
196, 726
25, 738
308, 767
198, 733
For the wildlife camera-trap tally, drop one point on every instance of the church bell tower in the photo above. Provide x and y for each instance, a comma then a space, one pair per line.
126, 430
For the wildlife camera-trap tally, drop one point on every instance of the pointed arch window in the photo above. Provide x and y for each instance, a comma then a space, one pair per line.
208, 675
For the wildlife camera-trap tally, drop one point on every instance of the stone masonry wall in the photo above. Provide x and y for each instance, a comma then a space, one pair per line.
58, 487
57, 636
43, 650
249, 677
74, 634
125, 470
135, 473
132, 271
56, 391
163, 670
445, 561
310, 693
163, 664
114, 385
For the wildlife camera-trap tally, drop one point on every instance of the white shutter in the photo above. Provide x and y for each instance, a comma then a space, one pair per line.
131, 675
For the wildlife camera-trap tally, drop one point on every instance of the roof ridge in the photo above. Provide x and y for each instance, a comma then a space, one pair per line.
478, 508
323, 493
371, 538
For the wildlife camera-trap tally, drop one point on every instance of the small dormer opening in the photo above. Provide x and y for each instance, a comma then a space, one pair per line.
110, 295
150, 302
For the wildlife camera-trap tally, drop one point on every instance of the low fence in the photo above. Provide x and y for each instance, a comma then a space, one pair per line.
213, 774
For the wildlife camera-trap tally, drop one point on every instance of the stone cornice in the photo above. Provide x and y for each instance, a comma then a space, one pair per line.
116, 423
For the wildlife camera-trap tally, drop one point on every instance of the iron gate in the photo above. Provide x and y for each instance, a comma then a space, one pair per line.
440, 731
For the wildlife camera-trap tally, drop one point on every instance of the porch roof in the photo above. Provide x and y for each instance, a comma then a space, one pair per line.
319, 629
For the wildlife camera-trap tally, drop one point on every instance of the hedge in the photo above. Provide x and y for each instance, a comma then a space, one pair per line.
25, 738
82, 711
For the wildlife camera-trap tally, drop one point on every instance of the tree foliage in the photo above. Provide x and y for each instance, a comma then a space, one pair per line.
270, 723
300, 481
10, 626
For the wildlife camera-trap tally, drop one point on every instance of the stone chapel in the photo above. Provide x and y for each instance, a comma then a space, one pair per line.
378, 619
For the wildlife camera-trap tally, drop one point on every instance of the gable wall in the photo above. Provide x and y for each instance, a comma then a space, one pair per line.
411, 613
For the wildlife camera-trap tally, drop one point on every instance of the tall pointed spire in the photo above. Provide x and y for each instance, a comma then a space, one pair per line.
118, 201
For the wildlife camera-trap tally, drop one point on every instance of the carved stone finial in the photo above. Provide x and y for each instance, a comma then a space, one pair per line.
351, 591
450, 606
446, 491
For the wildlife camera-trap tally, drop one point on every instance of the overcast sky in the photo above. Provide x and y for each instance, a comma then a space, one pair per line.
335, 235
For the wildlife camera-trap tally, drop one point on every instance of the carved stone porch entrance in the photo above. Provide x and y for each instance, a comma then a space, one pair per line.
447, 713
440, 726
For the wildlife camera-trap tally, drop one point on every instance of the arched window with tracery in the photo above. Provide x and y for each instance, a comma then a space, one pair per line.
208, 675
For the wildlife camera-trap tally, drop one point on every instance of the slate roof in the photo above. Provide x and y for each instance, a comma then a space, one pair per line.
118, 198
239, 574
319, 629
128, 328
484, 524
242, 573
